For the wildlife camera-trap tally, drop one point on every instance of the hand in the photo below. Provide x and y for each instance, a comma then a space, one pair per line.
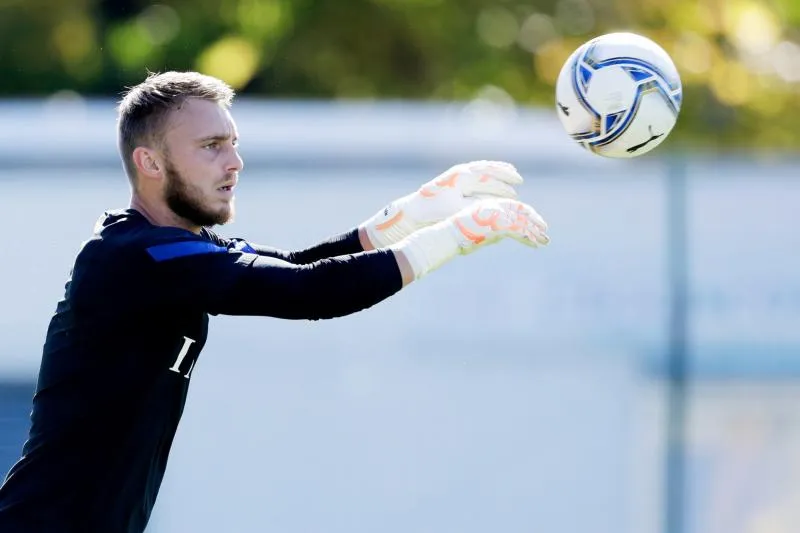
489, 221
483, 223
440, 198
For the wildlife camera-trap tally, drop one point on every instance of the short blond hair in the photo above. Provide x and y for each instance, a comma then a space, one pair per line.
144, 108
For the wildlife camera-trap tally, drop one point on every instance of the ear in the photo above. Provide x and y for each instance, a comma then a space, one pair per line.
147, 162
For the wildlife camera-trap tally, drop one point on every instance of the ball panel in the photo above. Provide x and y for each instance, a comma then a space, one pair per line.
611, 91
652, 124
574, 117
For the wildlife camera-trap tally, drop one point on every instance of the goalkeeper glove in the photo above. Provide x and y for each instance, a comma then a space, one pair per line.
483, 223
443, 196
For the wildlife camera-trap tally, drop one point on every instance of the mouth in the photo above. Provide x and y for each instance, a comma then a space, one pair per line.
227, 188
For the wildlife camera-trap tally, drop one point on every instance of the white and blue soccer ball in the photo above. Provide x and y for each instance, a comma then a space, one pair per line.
619, 95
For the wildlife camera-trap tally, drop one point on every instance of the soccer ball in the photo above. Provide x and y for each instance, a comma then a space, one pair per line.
619, 95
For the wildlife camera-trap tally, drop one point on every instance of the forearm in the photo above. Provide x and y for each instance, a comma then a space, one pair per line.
323, 289
351, 242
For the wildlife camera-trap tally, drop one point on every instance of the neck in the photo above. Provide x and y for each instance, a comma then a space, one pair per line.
159, 214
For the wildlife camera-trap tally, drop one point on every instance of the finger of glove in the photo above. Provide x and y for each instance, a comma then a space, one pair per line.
488, 187
502, 171
537, 230
541, 238
535, 218
526, 241
535, 227
531, 237
494, 163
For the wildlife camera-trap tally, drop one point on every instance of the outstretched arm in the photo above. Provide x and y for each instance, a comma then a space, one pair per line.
221, 278
451, 191
190, 271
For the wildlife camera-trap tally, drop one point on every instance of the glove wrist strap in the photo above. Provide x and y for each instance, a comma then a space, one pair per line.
429, 248
389, 225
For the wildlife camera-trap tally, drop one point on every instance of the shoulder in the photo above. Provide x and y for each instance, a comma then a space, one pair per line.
126, 231
126, 246
124, 240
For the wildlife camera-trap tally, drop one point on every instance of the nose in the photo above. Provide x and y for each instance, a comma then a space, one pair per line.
236, 163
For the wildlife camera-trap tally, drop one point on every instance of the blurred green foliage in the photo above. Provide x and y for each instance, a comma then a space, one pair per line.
739, 59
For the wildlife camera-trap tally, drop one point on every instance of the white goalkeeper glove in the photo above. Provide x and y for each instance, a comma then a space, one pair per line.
483, 223
443, 196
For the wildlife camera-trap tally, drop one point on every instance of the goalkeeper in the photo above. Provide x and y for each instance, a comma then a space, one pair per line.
124, 339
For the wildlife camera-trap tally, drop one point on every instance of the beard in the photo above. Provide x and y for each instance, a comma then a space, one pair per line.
186, 201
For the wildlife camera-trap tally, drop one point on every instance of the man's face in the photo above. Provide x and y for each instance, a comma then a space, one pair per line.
202, 163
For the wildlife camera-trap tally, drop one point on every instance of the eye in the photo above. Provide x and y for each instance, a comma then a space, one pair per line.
212, 145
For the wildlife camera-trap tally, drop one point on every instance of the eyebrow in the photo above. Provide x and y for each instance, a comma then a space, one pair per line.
216, 137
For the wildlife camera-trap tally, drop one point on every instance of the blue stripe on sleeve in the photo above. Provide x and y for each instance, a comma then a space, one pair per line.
243, 246
174, 250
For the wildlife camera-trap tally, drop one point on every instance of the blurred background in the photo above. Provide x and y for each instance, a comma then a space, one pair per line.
640, 375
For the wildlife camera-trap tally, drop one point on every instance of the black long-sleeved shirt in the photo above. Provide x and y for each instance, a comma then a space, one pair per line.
121, 348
